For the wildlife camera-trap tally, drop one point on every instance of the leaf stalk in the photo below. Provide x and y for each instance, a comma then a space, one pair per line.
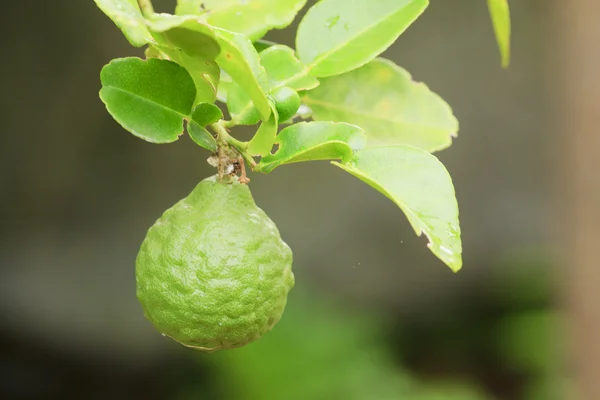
146, 7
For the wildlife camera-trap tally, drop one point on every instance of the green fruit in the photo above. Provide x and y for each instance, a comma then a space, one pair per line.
287, 102
213, 272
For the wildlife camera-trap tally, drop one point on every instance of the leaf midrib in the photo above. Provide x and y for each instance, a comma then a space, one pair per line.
326, 104
286, 160
315, 63
144, 99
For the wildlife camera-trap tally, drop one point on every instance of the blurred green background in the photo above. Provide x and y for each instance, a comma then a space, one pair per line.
373, 315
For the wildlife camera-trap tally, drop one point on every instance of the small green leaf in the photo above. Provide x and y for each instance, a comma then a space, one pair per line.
382, 98
127, 16
284, 69
264, 138
420, 185
307, 141
201, 136
252, 18
204, 114
240, 59
337, 36
500, 14
150, 98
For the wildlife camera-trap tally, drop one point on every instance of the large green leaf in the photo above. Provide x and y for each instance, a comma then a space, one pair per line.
420, 185
500, 14
284, 69
264, 138
192, 45
307, 141
204, 114
252, 18
337, 36
150, 98
241, 61
127, 16
382, 98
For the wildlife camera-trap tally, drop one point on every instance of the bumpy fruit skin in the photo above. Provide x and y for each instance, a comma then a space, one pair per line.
213, 272
287, 102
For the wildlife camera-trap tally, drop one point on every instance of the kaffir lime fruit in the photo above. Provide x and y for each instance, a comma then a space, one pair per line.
287, 102
213, 272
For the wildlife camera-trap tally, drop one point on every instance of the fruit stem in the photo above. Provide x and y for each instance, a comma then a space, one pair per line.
224, 139
146, 7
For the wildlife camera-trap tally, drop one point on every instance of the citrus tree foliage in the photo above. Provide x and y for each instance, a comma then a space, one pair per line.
331, 98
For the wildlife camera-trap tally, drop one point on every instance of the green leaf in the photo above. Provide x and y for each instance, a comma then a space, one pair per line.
284, 69
149, 98
153, 52
307, 141
224, 85
189, 7
192, 45
240, 59
264, 138
252, 18
205, 73
336, 36
127, 16
204, 114
201, 136
420, 185
186, 33
262, 44
382, 98
240, 106
500, 14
